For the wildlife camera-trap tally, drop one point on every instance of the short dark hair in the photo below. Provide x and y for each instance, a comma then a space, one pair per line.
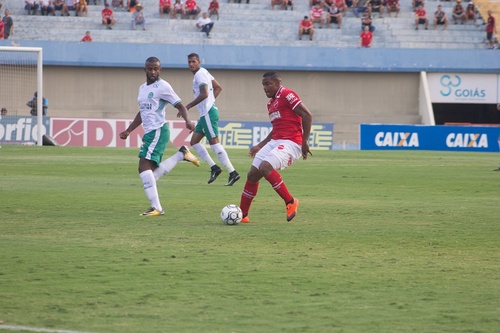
194, 55
272, 74
152, 59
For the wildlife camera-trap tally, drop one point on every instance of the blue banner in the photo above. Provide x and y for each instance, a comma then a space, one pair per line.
425, 137
16, 129
247, 134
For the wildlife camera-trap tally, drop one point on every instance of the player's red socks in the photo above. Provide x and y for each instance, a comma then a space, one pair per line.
249, 192
274, 178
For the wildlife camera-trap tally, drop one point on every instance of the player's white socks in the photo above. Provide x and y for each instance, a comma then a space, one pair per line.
149, 184
167, 165
222, 156
203, 153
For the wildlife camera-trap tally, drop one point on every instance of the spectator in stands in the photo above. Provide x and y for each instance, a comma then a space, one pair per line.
131, 5
367, 20
421, 17
165, 7
3, 112
8, 25
82, 8
313, 3
366, 37
360, 6
178, 9
317, 15
490, 29
440, 18
87, 37
192, 9
333, 15
213, 8
205, 24
32, 103
392, 6
306, 27
377, 7
138, 17
117, 4
417, 3
108, 17
470, 13
341, 5
2, 28
46, 7
61, 5
31, 6
72, 5
458, 12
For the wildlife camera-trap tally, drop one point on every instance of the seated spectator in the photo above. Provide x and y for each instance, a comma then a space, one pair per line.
87, 37
392, 6
2, 28
361, 6
131, 5
8, 24
82, 8
440, 18
108, 17
333, 15
47, 8
191, 9
377, 7
32, 103
421, 17
31, 6
213, 8
341, 5
470, 13
317, 15
72, 5
117, 4
205, 24
3, 112
306, 27
138, 17
490, 29
61, 5
313, 3
458, 12
366, 21
178, 9
165, 7
366, 37
416, 4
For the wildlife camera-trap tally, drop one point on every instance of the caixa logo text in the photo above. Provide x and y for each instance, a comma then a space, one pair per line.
396, 139
451, 85
467, 140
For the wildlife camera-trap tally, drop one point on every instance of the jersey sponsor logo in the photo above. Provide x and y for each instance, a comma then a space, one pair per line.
274, 115
146, 106
467, 140
396, 139
291, 98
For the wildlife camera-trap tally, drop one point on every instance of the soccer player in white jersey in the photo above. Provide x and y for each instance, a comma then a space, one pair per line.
205, 90
154, 96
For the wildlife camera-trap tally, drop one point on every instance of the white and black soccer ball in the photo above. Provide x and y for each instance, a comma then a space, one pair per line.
231, 215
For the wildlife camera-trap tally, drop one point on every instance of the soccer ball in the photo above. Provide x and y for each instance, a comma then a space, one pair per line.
231, 215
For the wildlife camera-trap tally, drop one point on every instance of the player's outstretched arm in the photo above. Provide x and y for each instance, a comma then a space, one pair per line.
183, 113
133, 125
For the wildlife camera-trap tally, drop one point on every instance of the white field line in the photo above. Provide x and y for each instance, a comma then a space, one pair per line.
36, 329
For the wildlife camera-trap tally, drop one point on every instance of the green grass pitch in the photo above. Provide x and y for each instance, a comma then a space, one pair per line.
383, 242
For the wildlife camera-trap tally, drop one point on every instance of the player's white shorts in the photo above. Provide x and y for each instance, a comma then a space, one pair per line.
279, 153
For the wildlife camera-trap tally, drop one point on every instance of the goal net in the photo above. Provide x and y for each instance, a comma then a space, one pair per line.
21, 73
